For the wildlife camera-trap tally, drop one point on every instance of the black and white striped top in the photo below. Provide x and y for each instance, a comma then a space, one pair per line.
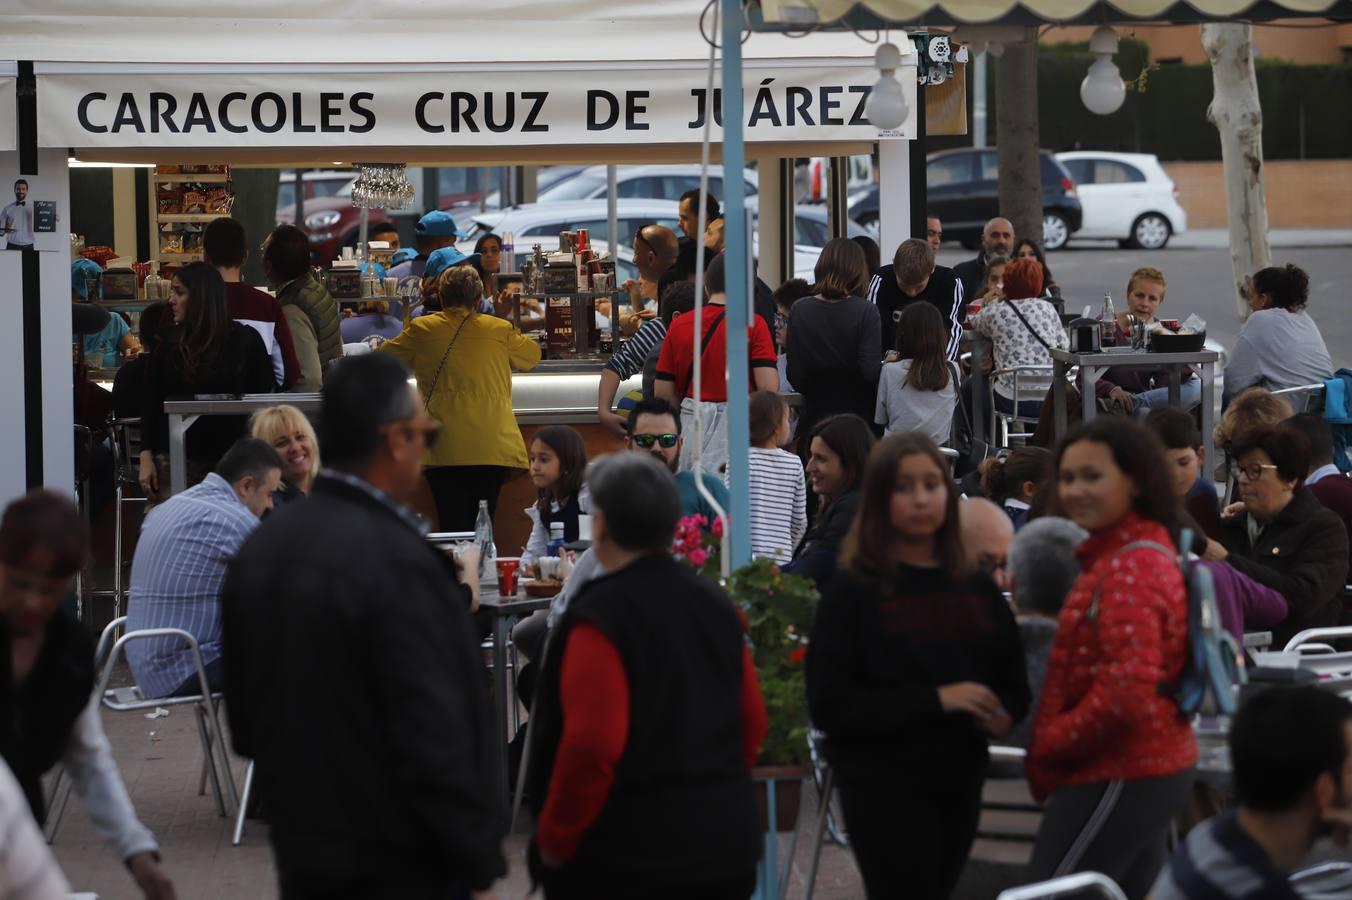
778, 490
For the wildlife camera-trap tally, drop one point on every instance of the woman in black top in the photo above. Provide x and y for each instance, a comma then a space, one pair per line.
201, 352
914, 664
837, 451
834, 338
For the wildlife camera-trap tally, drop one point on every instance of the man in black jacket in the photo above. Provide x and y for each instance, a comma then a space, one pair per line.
914, 276
352, 671
997, 239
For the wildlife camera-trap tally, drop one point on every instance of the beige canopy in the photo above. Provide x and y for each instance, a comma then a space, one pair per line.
873, 13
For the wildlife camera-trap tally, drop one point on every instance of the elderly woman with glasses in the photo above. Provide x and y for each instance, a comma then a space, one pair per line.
1280, 535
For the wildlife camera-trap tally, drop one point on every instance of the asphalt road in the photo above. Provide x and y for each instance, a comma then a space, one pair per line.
1199, 282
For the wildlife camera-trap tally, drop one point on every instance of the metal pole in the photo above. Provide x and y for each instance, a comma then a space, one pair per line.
979, 99
734, 161
919, 173
613, 238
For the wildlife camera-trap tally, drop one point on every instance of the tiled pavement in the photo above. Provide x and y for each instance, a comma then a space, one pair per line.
159, 759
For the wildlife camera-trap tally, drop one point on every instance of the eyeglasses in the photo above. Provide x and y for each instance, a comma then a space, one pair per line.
638, 237
647, 440
430, 429
1254, 471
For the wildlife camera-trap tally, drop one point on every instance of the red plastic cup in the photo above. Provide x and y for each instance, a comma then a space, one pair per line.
507, 566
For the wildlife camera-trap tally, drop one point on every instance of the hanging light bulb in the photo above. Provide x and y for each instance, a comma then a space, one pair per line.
886, 107
1102, 90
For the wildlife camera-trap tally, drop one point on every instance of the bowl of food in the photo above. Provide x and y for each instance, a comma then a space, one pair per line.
1164, 341
541, 589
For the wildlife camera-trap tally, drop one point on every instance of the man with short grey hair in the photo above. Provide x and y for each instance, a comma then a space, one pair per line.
986, 536
648, 716
1042, 568
997, 239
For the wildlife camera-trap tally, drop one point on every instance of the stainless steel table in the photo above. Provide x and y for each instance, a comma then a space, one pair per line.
182, 413
505, 611
979, 345
1093, 365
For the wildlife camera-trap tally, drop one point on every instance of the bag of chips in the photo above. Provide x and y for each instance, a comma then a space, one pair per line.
169, 201
220, 201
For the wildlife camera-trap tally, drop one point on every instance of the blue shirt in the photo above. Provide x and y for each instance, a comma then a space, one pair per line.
693, 502
176, 576
101, 349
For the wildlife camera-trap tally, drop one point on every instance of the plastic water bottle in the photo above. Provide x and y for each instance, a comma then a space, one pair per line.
556, 540
483, 539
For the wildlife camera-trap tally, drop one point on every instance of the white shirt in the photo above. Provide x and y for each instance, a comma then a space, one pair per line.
27, 869
1321, 473
19, 218
778, 495
904, 407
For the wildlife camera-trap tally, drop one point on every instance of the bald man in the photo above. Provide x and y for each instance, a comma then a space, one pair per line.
655, 251
997, 239
986, 536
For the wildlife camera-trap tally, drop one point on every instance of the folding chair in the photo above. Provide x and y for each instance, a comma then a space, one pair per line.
1325, 881
1100, 884
130, 699
1302, 396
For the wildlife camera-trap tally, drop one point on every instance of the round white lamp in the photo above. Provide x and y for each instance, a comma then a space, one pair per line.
1102, 90
886, 107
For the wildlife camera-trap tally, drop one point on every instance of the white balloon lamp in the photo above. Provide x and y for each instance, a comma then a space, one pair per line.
1102, 90
886, 107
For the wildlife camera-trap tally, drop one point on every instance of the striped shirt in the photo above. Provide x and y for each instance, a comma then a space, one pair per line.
176, 578
778, 492
1220, 861
627, 361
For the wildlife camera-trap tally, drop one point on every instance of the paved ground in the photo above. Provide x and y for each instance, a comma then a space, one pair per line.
1197, 267
159, 759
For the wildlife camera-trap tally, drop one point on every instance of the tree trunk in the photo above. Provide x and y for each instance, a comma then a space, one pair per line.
256, 209
1017, 140
1237, 115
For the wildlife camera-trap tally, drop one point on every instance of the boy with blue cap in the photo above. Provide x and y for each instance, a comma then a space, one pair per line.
434, 231
101, 349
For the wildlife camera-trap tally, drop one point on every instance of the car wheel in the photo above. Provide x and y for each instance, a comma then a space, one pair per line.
1055, 231
1150, 232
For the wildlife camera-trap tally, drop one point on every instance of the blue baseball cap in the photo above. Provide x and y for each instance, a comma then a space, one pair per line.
403, 255
439, 224
373, 268
446, 258
81, 270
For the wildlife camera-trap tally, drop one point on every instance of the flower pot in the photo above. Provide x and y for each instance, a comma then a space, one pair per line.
788, 784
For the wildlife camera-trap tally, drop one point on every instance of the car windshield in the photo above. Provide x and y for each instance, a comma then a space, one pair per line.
579, 188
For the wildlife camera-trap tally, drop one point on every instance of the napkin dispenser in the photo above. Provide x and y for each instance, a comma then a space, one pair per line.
1084, 336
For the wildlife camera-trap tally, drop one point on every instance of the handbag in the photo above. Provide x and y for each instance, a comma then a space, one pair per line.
976, 452
427, 403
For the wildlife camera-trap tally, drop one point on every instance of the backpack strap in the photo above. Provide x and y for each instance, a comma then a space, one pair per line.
1092, 614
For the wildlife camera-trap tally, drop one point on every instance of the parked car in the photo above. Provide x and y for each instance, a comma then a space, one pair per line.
529, 221
545, 178
332, 223
963, 191
1127, 197
667, 182
318, 183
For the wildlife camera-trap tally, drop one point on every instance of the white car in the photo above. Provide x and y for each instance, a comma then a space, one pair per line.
1127, 197
533, 220
664, 182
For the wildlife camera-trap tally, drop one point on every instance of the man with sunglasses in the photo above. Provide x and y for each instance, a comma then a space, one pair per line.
341, 620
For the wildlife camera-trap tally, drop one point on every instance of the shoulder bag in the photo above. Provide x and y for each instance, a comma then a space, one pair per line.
432, 389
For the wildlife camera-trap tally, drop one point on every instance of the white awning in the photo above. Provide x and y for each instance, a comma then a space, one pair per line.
8, 73
872, 13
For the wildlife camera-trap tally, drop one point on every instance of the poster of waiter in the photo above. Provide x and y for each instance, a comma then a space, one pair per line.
30, 221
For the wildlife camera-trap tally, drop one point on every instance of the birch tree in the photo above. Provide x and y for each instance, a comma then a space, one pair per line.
1238, 117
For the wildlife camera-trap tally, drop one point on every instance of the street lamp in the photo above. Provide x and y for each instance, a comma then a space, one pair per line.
886, 106
1102, 90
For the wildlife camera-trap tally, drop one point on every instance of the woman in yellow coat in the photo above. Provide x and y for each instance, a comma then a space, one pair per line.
463, 361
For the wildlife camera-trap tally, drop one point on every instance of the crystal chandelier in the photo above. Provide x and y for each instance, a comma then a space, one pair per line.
382, 186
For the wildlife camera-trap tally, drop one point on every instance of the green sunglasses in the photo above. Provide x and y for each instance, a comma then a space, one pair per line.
647, 440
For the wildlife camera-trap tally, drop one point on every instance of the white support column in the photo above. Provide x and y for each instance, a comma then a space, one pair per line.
769, 252
12, 439
894, 196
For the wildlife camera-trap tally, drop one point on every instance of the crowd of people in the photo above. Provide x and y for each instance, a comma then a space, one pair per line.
1037, 602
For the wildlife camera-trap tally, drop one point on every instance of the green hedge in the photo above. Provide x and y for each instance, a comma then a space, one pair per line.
1169, 117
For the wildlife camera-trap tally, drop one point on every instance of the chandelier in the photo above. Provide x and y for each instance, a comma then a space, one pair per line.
382, 186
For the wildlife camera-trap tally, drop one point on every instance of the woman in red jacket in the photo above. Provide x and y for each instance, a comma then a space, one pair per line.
1111, 754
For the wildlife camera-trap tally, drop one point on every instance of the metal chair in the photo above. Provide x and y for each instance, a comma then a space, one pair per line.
1311, 635
1000, 422
828, 817
1325, 881
125, 437
1007, 764
1301, 403
1096, 882
130, 699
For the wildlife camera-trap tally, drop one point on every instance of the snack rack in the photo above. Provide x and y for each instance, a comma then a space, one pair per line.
183, 199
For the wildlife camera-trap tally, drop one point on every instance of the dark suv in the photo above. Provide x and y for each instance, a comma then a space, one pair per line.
963, 191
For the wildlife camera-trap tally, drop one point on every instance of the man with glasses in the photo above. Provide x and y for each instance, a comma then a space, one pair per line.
353, 672
655, 251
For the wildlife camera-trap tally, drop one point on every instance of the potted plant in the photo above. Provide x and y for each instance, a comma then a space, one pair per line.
777, 610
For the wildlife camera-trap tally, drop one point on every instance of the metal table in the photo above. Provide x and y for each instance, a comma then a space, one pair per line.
979, 344
505, 612
1093, 365
182, 413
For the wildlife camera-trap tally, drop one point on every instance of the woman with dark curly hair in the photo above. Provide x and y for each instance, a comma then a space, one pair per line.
1280, 346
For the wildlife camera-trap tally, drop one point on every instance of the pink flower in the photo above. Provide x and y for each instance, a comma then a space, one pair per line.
698, 556
718, 527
